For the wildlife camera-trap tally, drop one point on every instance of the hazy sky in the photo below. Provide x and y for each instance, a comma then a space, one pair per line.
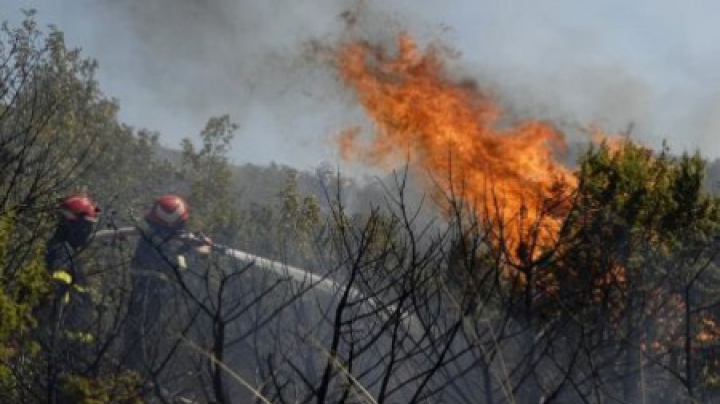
174, 63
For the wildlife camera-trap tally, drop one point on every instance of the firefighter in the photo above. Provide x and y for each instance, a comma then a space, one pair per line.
66, 335
78, 215
157, 268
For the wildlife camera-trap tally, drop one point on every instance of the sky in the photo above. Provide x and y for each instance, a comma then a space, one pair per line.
172, 64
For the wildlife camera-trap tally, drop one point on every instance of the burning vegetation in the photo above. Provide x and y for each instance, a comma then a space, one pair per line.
545, 283
620, 208
508, 175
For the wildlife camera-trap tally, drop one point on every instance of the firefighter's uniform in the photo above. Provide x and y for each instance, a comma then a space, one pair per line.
71, 305
158, 260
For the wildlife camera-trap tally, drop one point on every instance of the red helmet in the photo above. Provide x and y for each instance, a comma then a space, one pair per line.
77, 207
169, 211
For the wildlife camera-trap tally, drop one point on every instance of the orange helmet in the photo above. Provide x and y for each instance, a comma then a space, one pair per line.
169, 211
79, 207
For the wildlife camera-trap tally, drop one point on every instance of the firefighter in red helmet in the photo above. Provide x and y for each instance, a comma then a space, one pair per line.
67, 319
77, 217
169, 214
78, 214
158, 262
160, 248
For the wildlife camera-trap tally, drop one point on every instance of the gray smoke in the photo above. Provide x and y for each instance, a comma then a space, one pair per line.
174, 63
610, 64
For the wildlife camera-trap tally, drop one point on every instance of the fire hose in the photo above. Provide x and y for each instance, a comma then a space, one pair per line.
292, 273
298, 275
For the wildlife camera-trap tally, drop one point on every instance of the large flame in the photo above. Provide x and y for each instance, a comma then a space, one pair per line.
508, 176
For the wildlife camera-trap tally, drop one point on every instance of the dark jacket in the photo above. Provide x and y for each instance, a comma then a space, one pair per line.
157, 262
159, 251
65, 270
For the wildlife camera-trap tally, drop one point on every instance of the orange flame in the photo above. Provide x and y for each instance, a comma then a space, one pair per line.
613, 143
508, 176
616, 143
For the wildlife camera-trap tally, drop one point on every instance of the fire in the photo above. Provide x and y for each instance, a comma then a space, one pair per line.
613, 143
507, 175
616, 143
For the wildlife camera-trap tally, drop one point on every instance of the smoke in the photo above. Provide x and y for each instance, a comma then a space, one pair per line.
186, 60
199, 52
609, 64
174, 63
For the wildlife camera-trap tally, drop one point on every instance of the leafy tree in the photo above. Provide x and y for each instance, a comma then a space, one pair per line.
638, 219
55, 126
208, 173
21, 290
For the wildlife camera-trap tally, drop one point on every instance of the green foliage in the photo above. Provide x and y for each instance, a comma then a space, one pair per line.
59, 133
279, 226
21, 290
646, 192
299, 214
636, 248
121, 388
49, 103
284, 227
211, 198
633, 206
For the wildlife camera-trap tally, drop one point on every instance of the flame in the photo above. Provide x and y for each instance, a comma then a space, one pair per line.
616, 143
507, 175
613, 143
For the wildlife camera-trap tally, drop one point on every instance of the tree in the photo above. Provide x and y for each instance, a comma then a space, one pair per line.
208, 173
637, 218
20, 293
53, 120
